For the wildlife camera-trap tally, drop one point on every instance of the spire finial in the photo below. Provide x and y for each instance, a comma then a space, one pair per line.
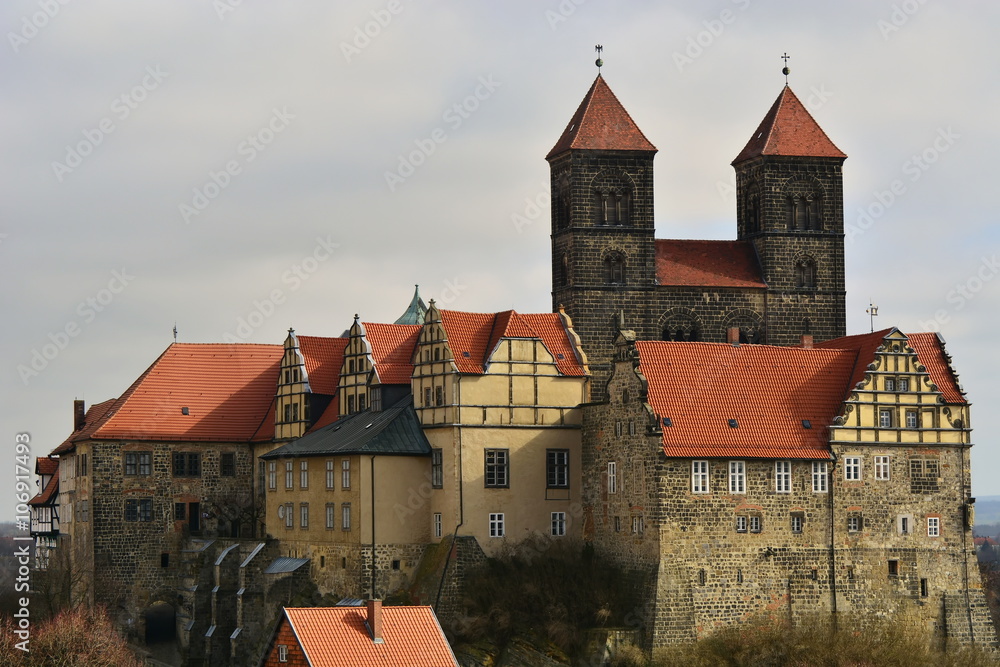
785, 70
599, 62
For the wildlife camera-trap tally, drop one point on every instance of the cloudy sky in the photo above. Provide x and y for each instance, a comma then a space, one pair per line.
239, 167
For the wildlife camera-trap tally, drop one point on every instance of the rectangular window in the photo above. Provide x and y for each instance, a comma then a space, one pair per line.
439, 395
187, 464
496, 525
557, 468
638, 525
904, 525
145, 509
303, 474
81, 460
304, 515
558, 524
618, 524
933, 526
437, 469
923, 588
289, 475
496, 468
783, 476
361, 402
288, 413
331, 516
755, 524
345, 474
376, 393
797, 521
854, 523
427, 397
612, 477
131, 510
890, 384
437, 524
903, 384
330, 475
282, 652
289, 515
912, 419
699, 476
350, 404
852, 468
345, 516
893, 568
84, 510
881, 468
227, 464
618, 429
295, 412
631, 427
180, 511
272, 475
737, 477
885, 418
741, 524
819, 477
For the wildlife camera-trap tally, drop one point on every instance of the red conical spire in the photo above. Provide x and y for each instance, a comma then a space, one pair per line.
789, 129
601, 123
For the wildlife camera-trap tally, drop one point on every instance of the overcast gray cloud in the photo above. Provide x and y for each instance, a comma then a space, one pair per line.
183, 161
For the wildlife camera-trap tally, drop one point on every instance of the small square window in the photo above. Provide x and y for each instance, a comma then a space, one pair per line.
933, 526
903, 384
854, 523
496, 524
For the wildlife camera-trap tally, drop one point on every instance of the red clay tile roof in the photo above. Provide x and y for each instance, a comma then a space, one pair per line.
707, 264
96, 415
323, 358
769, 391
479, 333
45, 465
330, 415
392, 350
789, 129
337, 637
228, 390
48, 495
601, 123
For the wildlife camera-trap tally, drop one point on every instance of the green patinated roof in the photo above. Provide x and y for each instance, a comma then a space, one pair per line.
415, 311
395, 430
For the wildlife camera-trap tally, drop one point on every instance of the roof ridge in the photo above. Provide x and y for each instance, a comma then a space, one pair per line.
788, 128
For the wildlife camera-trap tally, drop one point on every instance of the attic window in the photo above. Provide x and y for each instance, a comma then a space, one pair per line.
466, 355
667, 421
733, 423
185, 411
560, 356
806, 423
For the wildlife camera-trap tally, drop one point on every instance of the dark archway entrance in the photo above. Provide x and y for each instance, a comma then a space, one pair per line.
160, 623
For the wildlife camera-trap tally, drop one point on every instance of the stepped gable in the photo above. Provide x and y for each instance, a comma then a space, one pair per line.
768, 390
707, 264
788, 129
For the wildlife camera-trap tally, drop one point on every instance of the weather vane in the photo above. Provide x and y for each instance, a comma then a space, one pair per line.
872, 313
785, 70
599, 62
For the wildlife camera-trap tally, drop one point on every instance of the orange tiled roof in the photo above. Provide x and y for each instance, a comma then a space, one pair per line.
47, 496
769, 391
601, 123
228, 390
45, 465
479, 333
96, 415
337, 637
392, 350
789, 129
707, 264
330, 415
323, 357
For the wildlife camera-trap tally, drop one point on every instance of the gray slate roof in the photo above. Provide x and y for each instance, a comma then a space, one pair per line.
285, 564
395, 430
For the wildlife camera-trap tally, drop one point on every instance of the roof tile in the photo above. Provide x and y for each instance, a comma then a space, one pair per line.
392, 350
323, 358
601, 123
789, 129
707, 264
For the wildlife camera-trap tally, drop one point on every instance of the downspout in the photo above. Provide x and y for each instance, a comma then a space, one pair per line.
372, 459
461, 507
833, 546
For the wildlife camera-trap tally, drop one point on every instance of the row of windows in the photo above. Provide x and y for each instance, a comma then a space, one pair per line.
291, 412
887, 417
331, 474
498, 527
754, 523
288, 514
433, 396
496, 473
185, 464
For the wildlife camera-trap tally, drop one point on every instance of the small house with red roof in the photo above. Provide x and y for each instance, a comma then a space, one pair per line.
44, 509
738, 479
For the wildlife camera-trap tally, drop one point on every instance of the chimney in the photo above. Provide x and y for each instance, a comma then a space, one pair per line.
807, 341
78, 415
733, 335
375, 620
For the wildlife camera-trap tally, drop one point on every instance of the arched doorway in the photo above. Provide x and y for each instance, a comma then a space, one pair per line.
160, 623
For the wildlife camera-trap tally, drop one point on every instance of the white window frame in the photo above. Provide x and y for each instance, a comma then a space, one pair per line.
272, 475
331, 516
303, 515
819, 476
345, 474
755, 524
304, 474
783, 476
933, 526
699, 477
885, 418
882, 468
497, 528
282, 652
289, 515
852, 468
638, 525
437, 524
558, 524
797, 523
890, 384
612, 477
738, 477
741, 524
903, 384
331, 478
345, 516
289, 475
914, 417
854, 523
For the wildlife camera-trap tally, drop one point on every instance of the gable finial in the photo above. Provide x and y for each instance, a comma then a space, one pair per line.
599, 62
785, 70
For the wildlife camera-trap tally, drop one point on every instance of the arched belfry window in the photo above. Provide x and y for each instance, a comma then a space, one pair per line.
613, 206
805, 273
614, 269
802, 213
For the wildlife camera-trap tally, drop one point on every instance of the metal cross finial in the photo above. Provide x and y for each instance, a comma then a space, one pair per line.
175, 332
872, 313
785, 70
599, 62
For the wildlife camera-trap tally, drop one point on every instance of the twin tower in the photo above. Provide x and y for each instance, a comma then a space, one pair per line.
783, 277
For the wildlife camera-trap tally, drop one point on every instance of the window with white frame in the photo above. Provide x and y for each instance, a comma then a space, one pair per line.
282, 653
638, 525
289, 515
345, 474
741, 524
557, 468
755, 523
618, 429
272, 475
304, 515
852, 468
289, 475
783, 476
497, 468
612, 477
304, 474
819, 477
903, 384
890, 384
331, 476
933, 526
885, 418
737, 477
797, 521
496, 524
699, 476
881, 468
437, 468
331, 516
558, 524
912, 419
437, 524
854, 523
345, 516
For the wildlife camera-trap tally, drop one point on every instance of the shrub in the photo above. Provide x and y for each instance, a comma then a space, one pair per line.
78, 637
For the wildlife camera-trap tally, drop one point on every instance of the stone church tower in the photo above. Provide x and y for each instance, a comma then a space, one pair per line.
782, 278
